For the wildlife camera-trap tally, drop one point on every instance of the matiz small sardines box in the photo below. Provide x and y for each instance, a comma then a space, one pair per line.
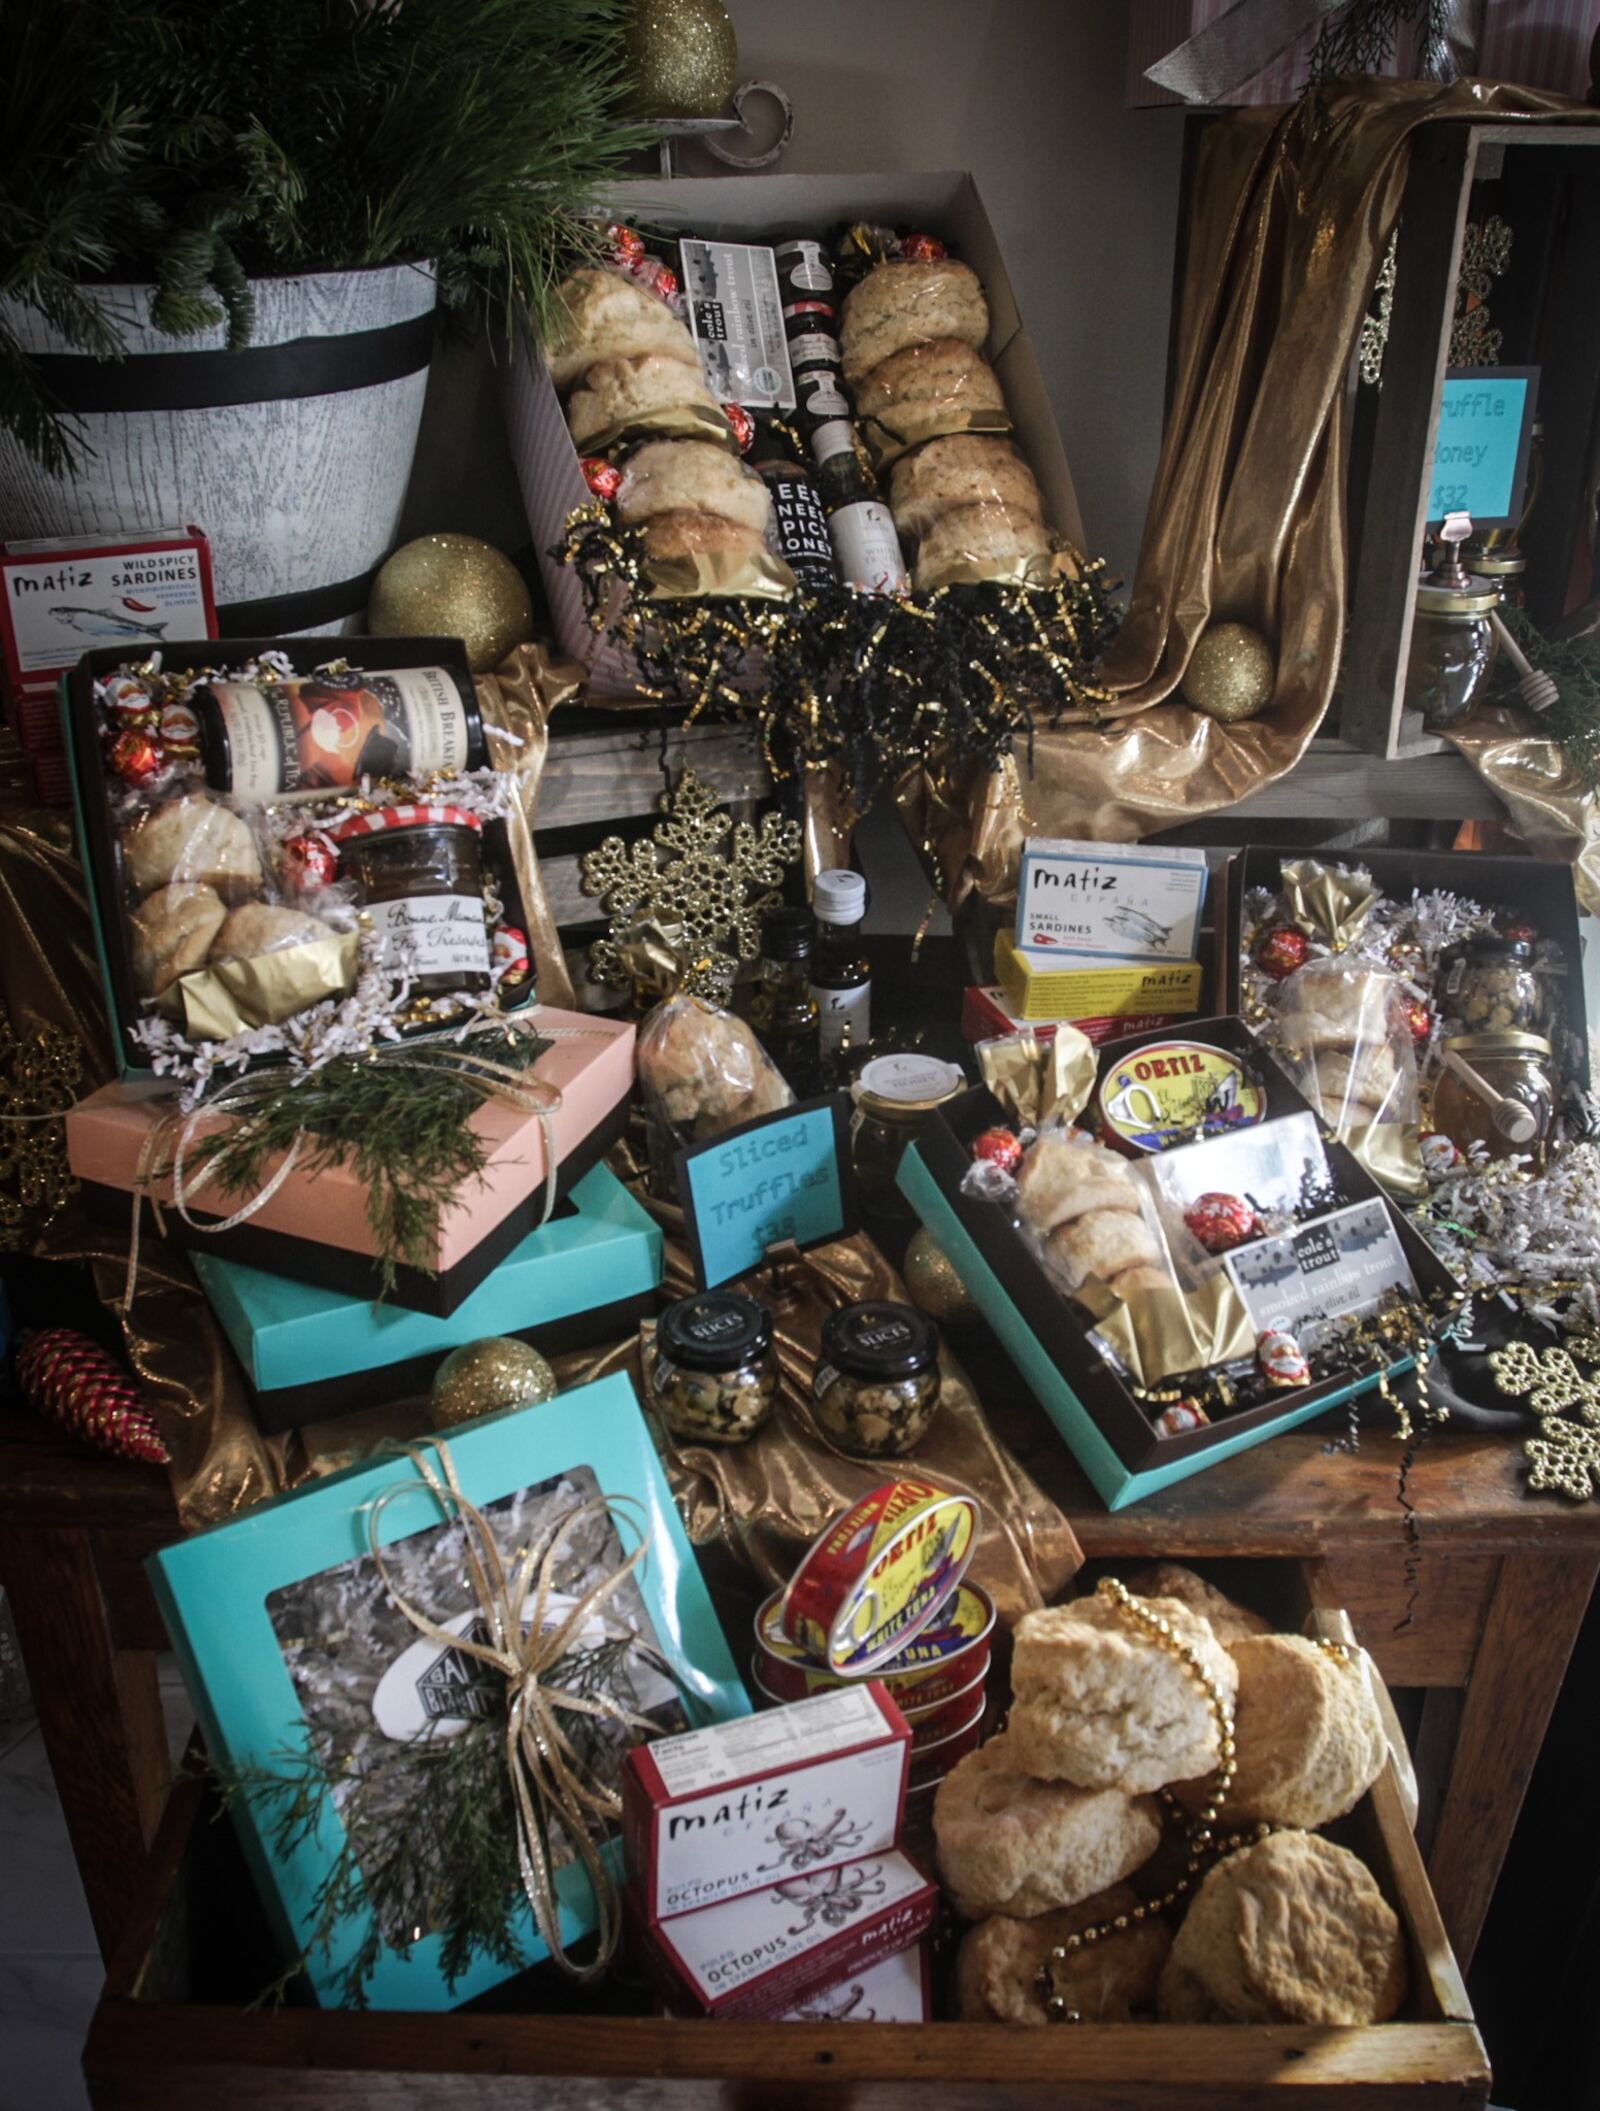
740, 1807
763, 1954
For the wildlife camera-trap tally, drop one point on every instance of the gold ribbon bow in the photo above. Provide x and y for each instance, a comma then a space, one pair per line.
168, 1144
1325, 903
1037, 1081
552, 1786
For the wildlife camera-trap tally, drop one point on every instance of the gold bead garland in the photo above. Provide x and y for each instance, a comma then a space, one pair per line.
1202, 1841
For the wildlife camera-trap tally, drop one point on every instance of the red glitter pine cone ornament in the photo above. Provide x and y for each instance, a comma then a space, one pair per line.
71, 1379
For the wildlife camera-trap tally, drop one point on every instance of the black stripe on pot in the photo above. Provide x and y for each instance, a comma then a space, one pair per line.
306, 366
310, 609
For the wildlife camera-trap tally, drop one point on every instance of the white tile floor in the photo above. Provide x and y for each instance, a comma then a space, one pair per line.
50, 1970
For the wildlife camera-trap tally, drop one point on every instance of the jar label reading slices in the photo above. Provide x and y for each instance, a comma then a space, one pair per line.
267, 739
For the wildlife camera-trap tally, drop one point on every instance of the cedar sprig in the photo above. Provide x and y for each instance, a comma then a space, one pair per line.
1573, 664
404, 1132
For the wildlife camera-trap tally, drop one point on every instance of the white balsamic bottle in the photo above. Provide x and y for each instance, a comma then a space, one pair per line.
841, 973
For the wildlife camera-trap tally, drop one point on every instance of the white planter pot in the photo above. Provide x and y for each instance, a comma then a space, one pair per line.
293, 455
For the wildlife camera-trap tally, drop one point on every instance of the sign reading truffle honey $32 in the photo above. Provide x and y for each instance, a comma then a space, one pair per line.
1480, 458
784, 1177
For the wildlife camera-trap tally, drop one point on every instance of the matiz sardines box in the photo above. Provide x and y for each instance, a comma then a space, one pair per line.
763, 1954
710, 1816
1118, 901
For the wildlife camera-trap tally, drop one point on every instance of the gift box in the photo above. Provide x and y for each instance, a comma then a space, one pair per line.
1108, 1431
763, 1954
97, 838
737, 1808
764, 208
308, 1353
1037, 986
1534, 889
314, 1226
307, 1658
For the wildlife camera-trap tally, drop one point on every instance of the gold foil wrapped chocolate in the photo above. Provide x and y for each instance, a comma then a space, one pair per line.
1038, 1080
236, 996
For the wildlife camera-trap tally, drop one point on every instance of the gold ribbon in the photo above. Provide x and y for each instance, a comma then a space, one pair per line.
1326, 903
551, 1786
176, 1135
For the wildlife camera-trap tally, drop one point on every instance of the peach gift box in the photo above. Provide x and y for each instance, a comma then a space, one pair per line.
315, 1225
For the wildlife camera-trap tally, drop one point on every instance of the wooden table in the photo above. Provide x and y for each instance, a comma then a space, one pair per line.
1502, 1584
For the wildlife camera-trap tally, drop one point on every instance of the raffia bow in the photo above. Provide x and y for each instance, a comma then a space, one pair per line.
170, 1144
552, 1787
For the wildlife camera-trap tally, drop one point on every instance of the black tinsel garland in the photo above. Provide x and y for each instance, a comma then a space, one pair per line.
872, 683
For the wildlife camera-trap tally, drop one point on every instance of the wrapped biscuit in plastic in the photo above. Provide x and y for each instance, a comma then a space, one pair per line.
600, 313
959, 470
1341, 1032
706, 522
926, 391
909, 303
703, 1071
653, 394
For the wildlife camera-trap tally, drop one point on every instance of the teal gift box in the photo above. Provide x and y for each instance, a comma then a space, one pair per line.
308, 1353
1109, 1432
293, 1644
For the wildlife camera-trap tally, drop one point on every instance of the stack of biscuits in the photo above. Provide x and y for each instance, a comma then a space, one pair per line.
705, 1071
912, 337
1084, 1206
621, 358
1339, 1024
1040, 1829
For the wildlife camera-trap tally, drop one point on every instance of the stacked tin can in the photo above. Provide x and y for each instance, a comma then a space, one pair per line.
882, 1594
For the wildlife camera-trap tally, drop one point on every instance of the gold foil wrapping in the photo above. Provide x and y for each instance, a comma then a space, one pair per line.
1550, 808
675, 421
265, 989
890, 434
1325, 903
1036, 1080
1161, 1334
718, 575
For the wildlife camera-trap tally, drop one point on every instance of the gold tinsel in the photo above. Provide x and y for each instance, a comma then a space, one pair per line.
453, 586
483, 1376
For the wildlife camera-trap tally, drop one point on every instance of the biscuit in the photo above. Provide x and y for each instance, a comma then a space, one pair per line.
1310, 1739
171, 933
1106, 1243
605, 315
261, 927
947, 374
696, 476
193, 839
618, 393
1180, 1998
1144, 1275
1113, 1980
1327, 1005
962, 469
1100, 1703
1229, 1622
1011, 1844
1294, 1930
902, 304
1061, 1178
686, 533
1360, 1081
991, 538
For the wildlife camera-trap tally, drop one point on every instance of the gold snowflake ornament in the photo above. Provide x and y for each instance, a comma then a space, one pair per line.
700, 875
1564, 1457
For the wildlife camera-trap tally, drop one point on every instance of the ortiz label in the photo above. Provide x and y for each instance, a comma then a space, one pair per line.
880, 1574
317, 733
1176, 1092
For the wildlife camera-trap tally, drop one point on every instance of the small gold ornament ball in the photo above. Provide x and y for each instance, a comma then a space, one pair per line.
1230, 673
933, 1285
684, 57
452, 586
482, 1376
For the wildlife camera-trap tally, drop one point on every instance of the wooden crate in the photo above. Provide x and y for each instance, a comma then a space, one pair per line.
154, 2046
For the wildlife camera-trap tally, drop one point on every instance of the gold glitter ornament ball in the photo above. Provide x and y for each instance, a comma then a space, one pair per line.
933, 1285
684, 57
452, 586
483, 1376
1231, 673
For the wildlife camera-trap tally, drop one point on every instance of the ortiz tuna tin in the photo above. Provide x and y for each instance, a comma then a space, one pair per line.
949, 1656
880, 1574
1175, 1092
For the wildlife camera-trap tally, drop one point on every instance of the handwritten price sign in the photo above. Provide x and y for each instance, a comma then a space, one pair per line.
1480, 459
786, 1176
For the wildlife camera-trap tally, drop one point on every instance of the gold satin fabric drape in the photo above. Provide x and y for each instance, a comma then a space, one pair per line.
1291, 212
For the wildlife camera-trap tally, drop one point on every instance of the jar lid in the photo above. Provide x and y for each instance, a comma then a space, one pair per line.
879, 1339
839, 896
1457, 600
1502, 1042
1496, 564
903, 1085
415, 816
1489, 945
716, 1331
788, 934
